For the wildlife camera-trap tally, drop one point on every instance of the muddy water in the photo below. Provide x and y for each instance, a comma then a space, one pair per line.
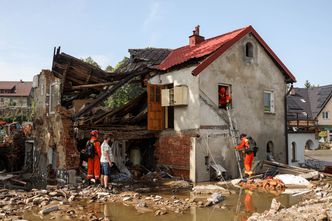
235, 207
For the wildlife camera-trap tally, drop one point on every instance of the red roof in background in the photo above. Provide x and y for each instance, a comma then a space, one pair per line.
213, 48
23, 88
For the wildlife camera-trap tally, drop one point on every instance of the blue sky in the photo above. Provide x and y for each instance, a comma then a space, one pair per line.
299, 32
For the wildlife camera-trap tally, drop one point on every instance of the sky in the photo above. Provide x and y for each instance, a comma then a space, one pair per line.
298, 31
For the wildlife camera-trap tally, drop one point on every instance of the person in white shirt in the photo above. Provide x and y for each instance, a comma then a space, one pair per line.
105, 161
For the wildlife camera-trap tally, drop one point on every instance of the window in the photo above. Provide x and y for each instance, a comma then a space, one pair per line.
268, 102
54, 97
1, 100
293, 152
224, 94
269, 151
325, 115
249, 50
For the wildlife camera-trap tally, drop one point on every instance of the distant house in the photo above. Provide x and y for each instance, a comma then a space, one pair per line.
15, 93
309, 119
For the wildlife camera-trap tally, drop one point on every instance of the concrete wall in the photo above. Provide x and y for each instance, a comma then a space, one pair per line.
185, 117
300, 140
53, 132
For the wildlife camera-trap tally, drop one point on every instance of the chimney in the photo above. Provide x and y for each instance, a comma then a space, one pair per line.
195, 38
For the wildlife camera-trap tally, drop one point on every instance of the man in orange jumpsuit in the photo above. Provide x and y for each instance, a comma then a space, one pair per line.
224, 98
94, 162
249, 155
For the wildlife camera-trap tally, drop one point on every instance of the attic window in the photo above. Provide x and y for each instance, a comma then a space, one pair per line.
249, 50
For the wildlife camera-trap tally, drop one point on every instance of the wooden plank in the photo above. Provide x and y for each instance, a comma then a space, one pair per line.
84, 86
105, 95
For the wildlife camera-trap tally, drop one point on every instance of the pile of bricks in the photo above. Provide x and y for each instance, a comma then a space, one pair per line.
268, 185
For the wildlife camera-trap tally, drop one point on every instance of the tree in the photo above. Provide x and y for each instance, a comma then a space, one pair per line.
109, 68
307, 84
124, 94
90, 60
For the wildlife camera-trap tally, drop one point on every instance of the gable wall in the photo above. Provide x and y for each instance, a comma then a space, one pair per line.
326, 122
248, 82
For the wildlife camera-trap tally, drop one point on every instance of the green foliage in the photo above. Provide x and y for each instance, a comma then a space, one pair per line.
109, 68
124, 94
90, 60
307, 84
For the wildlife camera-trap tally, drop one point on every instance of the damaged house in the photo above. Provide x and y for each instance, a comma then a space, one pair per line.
177, 122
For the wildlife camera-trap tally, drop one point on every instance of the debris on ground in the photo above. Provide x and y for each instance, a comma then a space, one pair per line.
316, 206
292, 181
210, 189
270, 185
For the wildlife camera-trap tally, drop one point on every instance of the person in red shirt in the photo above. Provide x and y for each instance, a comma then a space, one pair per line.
94, 162
249, 155
224, 98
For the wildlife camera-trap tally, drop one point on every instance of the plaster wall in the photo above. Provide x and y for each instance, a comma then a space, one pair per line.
185, 117
248, 80
326, 122
300, 140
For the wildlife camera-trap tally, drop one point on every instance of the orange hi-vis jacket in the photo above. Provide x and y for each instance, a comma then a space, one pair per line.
94, 163
249, 158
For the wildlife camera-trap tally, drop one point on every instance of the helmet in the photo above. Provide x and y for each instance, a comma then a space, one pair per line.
94, 132
222, 90
243, 135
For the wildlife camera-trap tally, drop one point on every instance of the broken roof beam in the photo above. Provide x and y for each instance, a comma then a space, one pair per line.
109, 92
124, 109
85, 86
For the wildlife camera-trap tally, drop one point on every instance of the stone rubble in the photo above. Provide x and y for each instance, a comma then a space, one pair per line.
73, 202
315, 206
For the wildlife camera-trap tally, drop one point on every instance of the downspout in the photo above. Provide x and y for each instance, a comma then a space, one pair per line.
286, 122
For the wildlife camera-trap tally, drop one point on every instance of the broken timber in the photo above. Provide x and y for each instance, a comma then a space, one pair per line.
106, 94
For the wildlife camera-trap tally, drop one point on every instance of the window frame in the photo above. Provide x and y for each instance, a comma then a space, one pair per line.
272, 102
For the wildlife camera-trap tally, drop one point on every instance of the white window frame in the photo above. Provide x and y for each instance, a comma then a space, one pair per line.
272, 103
325, 115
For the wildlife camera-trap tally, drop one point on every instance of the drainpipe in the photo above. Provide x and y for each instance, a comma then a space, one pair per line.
286, 122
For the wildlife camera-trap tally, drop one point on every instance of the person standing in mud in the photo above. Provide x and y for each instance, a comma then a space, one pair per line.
105, 161
94, 153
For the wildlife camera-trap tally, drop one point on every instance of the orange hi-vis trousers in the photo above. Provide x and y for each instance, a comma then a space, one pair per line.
248, 159
94, 168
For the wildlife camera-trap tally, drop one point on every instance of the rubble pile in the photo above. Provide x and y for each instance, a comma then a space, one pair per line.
74, 202
316, 206
270, 185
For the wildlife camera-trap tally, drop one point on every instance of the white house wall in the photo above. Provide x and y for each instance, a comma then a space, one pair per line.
248, 82
185, 117
300, 140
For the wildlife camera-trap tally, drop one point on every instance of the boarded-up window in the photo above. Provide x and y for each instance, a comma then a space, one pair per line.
155, 110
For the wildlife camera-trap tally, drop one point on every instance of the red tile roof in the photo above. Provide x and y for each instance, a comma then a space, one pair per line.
183, 54
23, 89
212, 48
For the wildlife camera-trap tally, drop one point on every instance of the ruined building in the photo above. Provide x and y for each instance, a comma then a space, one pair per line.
177, 121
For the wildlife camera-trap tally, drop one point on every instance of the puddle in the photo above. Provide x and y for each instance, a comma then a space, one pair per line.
235, 207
